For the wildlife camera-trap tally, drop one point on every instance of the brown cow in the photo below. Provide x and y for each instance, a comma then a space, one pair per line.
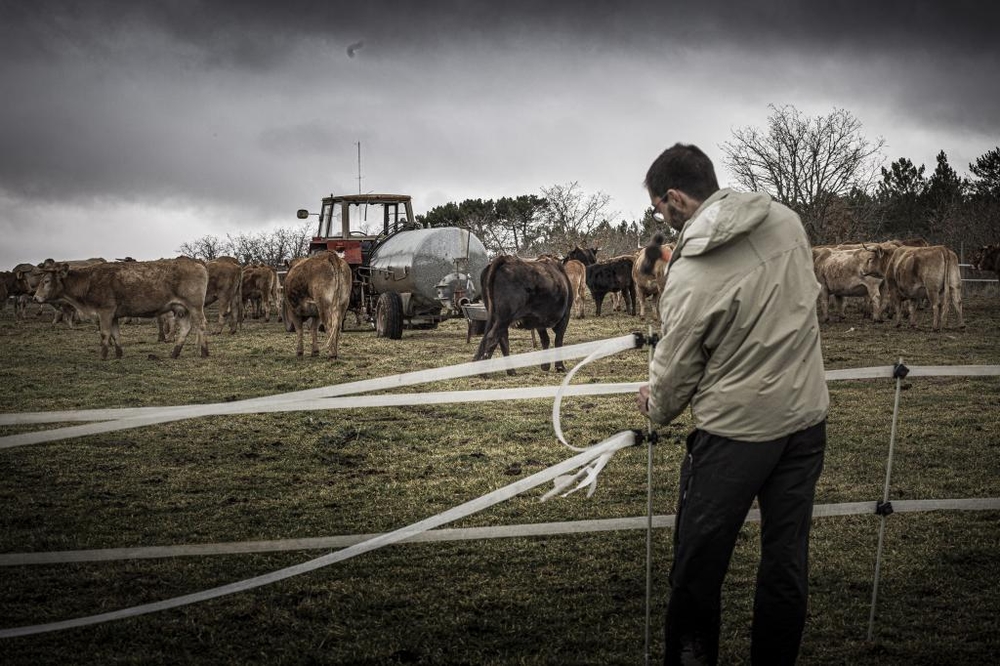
225, 281
650, 284
7, 282
854, 272
260, 289
931, 272
531, 294
318, 288
577, 274
133, 289
27, 278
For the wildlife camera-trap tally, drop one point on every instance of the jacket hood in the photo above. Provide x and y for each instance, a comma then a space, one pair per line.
721, 218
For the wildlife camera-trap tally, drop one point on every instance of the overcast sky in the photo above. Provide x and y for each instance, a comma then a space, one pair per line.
129, 128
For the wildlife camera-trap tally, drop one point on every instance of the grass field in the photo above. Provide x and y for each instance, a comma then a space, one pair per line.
566, 599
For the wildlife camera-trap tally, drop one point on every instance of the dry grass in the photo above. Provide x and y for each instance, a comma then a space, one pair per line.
547, 600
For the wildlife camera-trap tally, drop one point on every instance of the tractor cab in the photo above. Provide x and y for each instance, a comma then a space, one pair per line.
353, 224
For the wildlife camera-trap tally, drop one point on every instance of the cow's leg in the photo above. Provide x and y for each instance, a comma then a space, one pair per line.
489, 341
598, 300
944, 301
897, 304
841, 307
824, 304
233, 315
481, 349
338, 319
956, 301
631, 297
543, 335
493, 336
874, 300
116, 337
299, 326
314, 330
326, 315
334, 320
182, 322
161, 328
504, 342
201, 332
935, 300
221, 321
104, 324
560, 330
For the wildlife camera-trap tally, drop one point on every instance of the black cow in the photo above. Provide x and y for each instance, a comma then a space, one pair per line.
987, 258
530, 294
585, 255
613, 275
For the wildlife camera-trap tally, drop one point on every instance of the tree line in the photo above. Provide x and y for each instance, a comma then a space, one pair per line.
270, 248
823, 167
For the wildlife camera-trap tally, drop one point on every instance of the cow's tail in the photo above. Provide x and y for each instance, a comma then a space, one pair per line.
953, 282
236, 304
273, 275
486, 281
486, 278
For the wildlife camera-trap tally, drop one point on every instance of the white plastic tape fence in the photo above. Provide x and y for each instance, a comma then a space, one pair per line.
311, 399
612, 444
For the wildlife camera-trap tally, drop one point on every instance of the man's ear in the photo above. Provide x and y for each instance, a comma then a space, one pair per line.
682, 201
677, 198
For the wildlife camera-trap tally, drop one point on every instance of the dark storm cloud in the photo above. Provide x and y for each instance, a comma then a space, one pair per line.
116, 98
250, 32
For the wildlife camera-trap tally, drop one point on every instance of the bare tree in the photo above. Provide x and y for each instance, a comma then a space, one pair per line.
271, 248
801, 161
206, 247
571, 215
497, 239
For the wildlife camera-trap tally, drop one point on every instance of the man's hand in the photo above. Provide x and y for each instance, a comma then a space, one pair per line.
642, 400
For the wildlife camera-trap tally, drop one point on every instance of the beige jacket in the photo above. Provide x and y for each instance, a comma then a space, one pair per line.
740, 339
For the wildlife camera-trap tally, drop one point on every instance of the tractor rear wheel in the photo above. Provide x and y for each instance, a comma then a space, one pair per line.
389, 316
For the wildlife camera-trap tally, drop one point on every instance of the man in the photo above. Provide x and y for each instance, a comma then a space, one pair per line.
740, 344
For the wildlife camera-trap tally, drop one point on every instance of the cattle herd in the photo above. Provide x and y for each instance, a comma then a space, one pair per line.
890, 278
174, 291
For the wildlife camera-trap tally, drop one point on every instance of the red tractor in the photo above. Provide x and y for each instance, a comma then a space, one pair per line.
404, 273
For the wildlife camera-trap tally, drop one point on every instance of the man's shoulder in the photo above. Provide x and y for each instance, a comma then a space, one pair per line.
782, 214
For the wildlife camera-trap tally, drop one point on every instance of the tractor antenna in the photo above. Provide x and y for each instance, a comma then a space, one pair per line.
359, 167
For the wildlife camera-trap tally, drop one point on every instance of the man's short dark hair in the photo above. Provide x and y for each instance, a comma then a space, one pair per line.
685, 168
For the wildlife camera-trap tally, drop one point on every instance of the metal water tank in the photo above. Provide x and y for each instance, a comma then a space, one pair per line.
416, 262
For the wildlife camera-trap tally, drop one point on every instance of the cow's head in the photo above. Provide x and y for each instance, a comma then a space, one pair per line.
991, 258
585, 256
26, 276
873, 260
979, 257
50, 287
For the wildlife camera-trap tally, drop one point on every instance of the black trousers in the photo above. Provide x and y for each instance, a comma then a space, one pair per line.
719, 479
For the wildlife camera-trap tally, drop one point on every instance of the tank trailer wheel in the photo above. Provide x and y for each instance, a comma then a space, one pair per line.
389, 316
